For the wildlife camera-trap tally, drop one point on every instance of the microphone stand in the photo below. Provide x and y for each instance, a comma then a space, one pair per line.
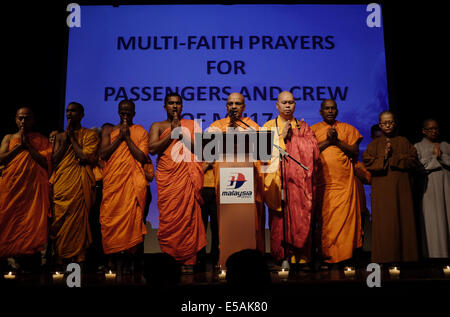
284, 155
232, 115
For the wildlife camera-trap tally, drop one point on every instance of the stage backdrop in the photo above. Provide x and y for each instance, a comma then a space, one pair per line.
205, 52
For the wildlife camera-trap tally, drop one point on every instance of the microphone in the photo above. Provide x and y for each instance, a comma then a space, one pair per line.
235, 117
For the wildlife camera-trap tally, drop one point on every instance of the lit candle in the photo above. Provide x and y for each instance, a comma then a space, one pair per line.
9, 276
110, 276
57, 277
283, 274
446, 270
349, 271
394, 271
222, 275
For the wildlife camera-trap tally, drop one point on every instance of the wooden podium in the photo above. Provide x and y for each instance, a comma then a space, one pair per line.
241, 219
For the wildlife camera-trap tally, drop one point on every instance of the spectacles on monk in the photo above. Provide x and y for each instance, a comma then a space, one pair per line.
431, 129
386, 123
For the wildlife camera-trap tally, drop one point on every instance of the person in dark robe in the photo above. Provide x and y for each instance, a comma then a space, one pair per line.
389, 158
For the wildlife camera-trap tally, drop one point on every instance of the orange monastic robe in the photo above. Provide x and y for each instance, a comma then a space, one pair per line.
124, 195
181, 232
24, 200
339, 207
73, 197
223, 125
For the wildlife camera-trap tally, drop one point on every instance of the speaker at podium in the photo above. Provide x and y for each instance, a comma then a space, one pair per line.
239, 156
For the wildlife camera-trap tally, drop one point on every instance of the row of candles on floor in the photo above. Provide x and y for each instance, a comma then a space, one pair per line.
348, 272
283, 274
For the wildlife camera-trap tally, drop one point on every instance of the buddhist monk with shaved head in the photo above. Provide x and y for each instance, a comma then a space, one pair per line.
339, 207
24, 189
235, 120
124, 148
179, 183
74, 156
291, 224
390, 158
434, 155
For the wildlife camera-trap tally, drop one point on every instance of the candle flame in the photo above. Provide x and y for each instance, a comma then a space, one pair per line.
10, 273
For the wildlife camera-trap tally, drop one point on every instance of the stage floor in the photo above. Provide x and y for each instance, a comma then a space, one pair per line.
306, 288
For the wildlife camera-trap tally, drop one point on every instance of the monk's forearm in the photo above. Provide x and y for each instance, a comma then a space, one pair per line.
403, 161
7, 157
108, 150
58, 154
352, 151
158, 147
78, 150
41, 160
136, 152
323, 145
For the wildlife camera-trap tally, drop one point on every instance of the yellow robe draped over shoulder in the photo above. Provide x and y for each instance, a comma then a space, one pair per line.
73, 197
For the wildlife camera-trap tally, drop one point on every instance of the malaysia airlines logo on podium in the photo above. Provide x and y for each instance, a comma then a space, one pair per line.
236, 181
236, 185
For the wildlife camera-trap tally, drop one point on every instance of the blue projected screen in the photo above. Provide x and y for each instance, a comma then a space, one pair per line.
205, 52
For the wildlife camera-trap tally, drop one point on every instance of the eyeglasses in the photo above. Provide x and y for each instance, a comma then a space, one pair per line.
431, 129
385, 123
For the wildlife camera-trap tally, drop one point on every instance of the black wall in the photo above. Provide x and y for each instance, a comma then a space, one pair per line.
34, 56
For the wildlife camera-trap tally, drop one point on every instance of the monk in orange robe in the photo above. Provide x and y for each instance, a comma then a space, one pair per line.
24, 189
74, 154
124, 148
297, 138
179, 181
235, 108
339, 209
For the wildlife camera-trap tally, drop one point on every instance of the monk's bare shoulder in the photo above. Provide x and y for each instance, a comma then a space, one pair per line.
4, 147
7, 138
60, 136
106, 131
159, 126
